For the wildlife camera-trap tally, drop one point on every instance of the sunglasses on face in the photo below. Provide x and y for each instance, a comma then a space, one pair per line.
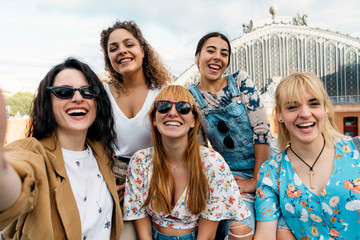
165, 106
64, 92
222, 127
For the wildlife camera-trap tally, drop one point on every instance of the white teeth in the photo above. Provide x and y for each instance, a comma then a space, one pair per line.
125, 60
74, 111
306, 124
172, 124
214, 67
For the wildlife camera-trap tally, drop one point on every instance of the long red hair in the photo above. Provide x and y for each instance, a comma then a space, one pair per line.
161, 189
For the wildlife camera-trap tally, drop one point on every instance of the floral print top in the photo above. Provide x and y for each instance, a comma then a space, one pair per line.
224, 200
333, 214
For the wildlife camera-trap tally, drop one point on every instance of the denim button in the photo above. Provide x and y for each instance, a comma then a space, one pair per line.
238, 101
206, 112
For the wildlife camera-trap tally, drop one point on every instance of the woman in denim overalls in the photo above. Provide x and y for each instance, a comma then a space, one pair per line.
235, 122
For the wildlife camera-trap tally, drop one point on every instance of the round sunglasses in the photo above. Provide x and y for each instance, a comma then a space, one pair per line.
64, 92
222, 127
164, 106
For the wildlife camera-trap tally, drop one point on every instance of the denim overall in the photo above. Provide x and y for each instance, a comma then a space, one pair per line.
241, 157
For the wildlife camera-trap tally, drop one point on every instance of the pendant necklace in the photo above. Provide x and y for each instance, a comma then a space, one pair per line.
311, 170
174, 168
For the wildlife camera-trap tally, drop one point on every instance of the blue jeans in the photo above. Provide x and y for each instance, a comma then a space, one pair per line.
224, 226
160, 236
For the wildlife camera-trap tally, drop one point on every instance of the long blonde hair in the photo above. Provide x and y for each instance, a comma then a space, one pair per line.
292, 88
162, 180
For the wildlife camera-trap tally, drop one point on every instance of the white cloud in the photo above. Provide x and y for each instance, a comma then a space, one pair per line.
63, 3
36, 35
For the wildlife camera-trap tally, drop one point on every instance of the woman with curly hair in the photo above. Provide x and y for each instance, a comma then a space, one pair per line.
136, 77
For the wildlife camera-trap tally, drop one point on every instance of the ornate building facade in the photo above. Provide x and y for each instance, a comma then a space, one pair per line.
273, 48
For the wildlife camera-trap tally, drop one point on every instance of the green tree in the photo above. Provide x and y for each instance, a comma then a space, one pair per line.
20, 103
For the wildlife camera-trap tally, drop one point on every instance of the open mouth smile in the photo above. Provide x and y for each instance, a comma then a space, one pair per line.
125, 60
306, 125
77, 112
172, 123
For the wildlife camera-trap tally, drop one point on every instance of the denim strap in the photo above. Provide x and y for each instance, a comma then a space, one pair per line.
198, 96
231, 83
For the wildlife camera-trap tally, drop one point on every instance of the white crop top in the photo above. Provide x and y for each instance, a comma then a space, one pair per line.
224, 202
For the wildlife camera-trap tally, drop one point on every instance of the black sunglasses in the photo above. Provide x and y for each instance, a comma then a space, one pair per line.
165, 106
64, 92
222, 127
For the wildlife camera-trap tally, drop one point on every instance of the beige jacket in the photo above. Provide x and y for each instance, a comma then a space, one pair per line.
46, 208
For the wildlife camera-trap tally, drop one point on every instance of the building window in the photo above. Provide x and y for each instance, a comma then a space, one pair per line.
351, 126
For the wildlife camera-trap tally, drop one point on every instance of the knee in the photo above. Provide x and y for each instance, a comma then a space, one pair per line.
241, 231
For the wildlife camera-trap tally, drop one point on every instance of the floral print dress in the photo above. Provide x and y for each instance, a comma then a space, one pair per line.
333, 214
224, 202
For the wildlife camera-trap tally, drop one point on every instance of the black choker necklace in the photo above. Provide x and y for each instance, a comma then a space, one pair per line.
311, 171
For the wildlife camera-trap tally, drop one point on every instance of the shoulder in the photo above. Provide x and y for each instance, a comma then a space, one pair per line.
347, 146
239, 75
209, 154
212, 160
26, 144
107, 88
153, 92
28, 156
143, 156
273, 164
156, 90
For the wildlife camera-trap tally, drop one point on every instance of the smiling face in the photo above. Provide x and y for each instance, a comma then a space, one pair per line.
213, 59
173, 125
74, 115
303, 118
125, 53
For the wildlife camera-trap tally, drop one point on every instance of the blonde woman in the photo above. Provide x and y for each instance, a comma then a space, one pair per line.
314, 182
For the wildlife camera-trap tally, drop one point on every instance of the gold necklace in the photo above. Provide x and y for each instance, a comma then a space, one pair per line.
311, 170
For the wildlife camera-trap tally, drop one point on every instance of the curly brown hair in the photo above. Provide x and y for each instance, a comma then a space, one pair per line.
156, 75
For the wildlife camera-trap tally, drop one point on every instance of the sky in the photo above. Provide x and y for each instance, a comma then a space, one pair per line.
38, 34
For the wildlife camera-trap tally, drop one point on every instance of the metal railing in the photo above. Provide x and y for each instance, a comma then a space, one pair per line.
352, 99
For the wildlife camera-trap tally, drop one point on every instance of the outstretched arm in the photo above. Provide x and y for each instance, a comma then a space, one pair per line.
10, 183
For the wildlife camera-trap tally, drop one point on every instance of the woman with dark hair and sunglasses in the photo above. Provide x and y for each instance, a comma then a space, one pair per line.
178, 188
58, 183
234, 121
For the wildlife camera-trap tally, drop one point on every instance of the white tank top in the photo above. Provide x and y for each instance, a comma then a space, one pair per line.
135, 133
